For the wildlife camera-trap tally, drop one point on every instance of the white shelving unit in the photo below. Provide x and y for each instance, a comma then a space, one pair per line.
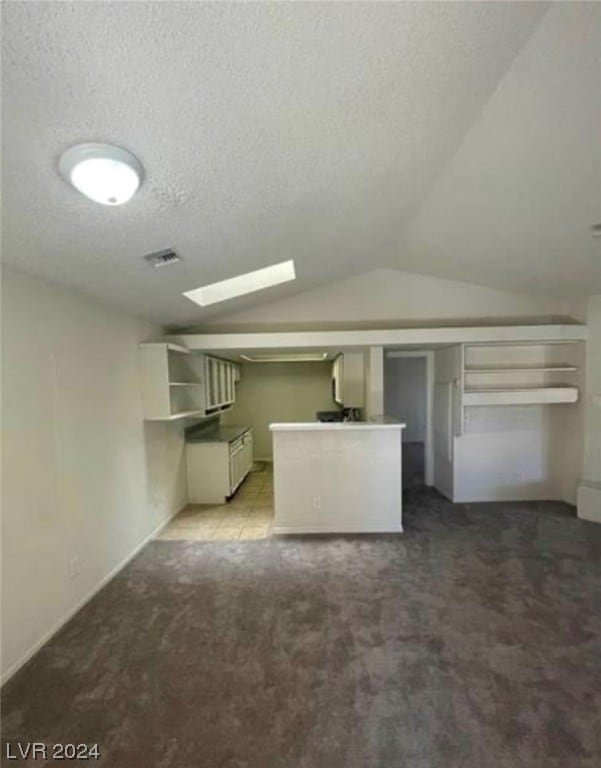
180, 384
530, 373
172, 382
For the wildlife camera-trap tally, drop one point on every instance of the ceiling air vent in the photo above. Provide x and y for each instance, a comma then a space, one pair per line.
162, 258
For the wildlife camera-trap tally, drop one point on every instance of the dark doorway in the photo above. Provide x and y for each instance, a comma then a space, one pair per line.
405, 398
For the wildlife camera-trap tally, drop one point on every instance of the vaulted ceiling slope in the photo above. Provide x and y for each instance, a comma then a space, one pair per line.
390, 298
330, 133
515, 205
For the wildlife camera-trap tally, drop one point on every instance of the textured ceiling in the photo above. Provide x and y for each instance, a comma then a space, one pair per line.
273, 131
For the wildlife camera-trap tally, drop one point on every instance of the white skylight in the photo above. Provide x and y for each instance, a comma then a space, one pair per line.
247, 283
285, 357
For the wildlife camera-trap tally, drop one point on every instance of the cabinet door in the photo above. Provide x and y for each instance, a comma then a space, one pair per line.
240, 468
229, 383
236, 464
337, 374
209, 388
222, 383
218, 384
233, 471
215, 379
249, 456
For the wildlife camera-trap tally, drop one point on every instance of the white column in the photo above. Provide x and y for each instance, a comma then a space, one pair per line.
589, 492
374, 382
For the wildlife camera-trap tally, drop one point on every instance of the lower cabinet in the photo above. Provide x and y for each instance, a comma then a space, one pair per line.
215, 469
241, 459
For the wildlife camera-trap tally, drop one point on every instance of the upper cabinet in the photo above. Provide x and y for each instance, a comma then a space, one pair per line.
348, 379
220, 377
179, 384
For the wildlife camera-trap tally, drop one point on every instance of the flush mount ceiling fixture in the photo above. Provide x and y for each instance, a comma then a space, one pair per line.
249, 282
285, 357
105, 173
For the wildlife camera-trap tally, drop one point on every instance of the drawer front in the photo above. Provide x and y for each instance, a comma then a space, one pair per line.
236, 446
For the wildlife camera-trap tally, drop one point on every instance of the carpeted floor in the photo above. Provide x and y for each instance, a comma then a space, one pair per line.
471, 641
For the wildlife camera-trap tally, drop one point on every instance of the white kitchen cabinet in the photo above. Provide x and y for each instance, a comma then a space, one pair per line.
172, 381
216, 468
177, 383
220, 376
348, 379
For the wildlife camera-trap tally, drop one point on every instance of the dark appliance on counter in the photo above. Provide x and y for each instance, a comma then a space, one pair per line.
342, 414
330, 415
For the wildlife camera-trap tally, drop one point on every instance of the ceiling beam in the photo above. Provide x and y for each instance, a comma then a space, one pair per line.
422, 337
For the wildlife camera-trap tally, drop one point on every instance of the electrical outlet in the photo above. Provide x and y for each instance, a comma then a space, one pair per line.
74, 567
316, 502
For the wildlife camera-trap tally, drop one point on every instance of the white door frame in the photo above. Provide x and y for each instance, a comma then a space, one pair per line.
429, 444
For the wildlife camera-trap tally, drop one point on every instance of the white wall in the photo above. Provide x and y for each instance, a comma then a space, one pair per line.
374, 382
279, 392
405, 395
503, 453
507, 453
447, 369
589, 493
395, 297
510, 206
334, 478
83, 475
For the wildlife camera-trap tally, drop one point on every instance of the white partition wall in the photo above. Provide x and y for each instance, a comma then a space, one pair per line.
337, 478
446, 415
589, 492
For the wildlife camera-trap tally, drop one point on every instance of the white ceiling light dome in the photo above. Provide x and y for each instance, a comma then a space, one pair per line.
105, 173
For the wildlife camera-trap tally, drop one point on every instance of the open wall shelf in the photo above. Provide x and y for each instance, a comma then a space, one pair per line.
172, 382
176, 416
520, 374
179, 384
522, 369
520, 396
185, 384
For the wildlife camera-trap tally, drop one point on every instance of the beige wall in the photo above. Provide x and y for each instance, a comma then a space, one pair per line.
272, 392
83, 475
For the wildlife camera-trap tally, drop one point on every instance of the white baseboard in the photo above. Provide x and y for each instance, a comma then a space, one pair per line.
589, 502
297, 529
80, 603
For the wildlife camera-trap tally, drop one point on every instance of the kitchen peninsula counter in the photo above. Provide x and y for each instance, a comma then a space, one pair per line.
337, 477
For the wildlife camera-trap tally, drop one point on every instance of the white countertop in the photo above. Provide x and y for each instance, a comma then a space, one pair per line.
317, 426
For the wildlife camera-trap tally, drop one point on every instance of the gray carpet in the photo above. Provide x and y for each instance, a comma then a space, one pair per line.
472, 641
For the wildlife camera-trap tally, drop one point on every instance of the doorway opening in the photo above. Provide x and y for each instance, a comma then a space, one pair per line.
408, 382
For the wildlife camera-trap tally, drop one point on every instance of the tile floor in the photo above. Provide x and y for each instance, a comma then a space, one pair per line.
248, 515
